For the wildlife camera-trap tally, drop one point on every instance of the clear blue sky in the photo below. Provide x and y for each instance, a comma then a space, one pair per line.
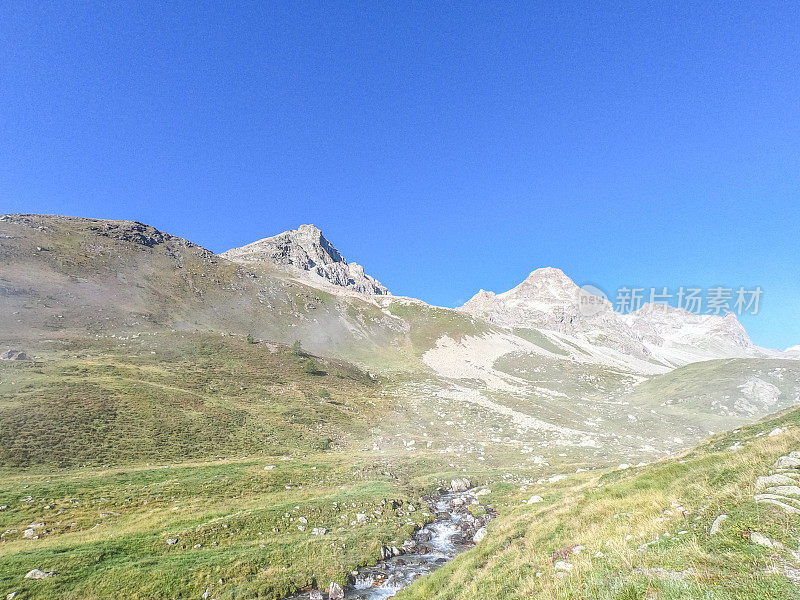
447, 148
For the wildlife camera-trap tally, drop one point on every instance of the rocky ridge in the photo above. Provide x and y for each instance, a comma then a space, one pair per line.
306, 252
548, 299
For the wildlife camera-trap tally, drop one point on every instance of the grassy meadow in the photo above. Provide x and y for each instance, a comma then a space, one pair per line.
640, 533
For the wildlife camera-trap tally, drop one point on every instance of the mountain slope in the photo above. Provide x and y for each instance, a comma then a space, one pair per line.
177, 413
554, 379
65, 277
650, 532
178, 397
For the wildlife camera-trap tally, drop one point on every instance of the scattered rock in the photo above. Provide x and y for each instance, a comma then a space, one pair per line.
762, 540
361, 518
562, 566
766, 481
13, 355
172, 541
479, 535
206, 594
787, 462
463, 484
335, 591
786, 490
717, 524
315, 595
11, 596
776, 431
534, 499
319, 531
779, 501
39, 574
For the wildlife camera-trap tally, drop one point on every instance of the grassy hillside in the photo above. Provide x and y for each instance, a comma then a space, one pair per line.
64, 277
111, 446
641, 533
243, 528
178, 397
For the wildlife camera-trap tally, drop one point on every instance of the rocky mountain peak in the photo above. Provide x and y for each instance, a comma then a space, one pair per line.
306, 252
549, 299
545, 284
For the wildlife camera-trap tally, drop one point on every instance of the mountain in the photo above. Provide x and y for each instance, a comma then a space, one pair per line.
68, 277
183, 419
306, 252
549, 300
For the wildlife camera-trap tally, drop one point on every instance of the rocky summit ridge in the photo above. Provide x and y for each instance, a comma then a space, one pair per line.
549, 299
306, 252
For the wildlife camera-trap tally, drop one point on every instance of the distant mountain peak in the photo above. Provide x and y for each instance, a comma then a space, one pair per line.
307, 252
548, 299
546, 284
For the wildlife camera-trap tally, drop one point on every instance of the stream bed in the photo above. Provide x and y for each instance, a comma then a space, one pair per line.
454, 530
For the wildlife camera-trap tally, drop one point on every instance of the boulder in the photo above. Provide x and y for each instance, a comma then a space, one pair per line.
787, 462
335, 591
39, 574
534, 499
172, 541
460, 485
13, 355
562, 566
762, 540
777, 501
717, 524
479, 535
766, 481
786, 490
424, 535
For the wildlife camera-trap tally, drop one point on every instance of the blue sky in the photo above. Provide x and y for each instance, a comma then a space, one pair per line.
447, 147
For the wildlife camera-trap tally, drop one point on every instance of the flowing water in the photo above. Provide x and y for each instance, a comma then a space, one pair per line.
437, 543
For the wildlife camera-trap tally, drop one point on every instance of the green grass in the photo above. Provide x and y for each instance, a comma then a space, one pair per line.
189, 397
429, 323
105, 530
649, 524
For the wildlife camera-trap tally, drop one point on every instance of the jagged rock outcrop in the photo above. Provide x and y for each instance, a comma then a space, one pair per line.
305, 251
